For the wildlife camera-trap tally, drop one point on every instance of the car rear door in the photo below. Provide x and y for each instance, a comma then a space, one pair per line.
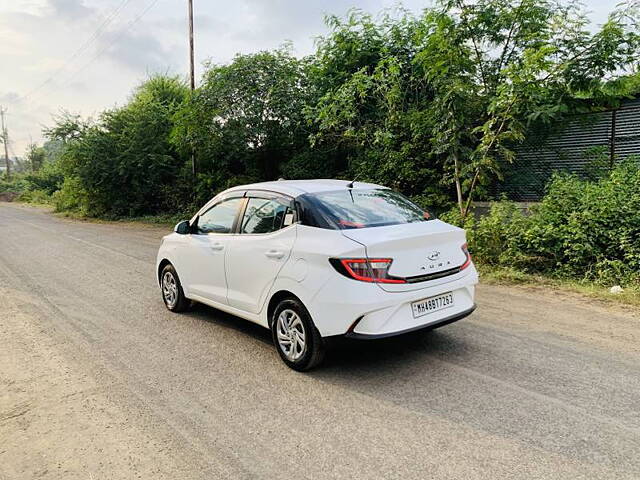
263, 243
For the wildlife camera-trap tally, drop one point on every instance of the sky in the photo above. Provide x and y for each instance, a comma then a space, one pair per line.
87, 55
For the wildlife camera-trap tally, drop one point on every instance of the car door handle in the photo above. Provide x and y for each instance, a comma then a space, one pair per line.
274, 254
217, 246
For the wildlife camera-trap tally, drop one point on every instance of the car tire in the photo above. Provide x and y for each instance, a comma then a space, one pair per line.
171, 289
295, 336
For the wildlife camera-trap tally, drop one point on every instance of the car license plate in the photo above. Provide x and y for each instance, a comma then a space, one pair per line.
432, 304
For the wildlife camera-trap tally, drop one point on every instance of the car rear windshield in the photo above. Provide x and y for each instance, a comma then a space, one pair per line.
355, 208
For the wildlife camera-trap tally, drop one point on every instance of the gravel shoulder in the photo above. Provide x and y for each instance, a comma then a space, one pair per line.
60, 417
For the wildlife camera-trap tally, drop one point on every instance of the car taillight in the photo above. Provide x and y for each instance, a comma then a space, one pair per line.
467, 262
373, 270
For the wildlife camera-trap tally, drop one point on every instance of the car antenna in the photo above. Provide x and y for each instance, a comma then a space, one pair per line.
350, 184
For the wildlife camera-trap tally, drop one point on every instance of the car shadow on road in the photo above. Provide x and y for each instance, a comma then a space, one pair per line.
225, 320
343, 354
390, 353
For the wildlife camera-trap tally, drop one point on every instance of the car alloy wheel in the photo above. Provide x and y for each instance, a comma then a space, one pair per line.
169, 289
291, 335
296, 338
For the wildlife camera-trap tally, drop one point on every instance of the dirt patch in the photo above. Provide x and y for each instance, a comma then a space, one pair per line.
8, 196
57, 420
600, 325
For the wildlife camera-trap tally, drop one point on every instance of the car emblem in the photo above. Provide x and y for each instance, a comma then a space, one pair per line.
434, 255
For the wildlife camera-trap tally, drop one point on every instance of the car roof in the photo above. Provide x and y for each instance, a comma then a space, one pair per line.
294, 188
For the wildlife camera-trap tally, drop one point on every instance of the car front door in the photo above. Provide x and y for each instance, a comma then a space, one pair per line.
266, 234
204, 254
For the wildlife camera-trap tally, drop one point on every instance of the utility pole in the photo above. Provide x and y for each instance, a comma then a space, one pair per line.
5, 141
31, 153
192, 77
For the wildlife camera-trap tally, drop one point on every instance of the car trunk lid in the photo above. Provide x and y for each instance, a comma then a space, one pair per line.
420, 251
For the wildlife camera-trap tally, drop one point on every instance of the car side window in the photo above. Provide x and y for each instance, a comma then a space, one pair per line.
220, 217
264, 215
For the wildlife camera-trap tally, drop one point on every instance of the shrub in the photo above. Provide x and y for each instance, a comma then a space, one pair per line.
590, 229
119, 165
582, 229
16, 185
35, 196
490, 237
47, 179
71, 197
494, 234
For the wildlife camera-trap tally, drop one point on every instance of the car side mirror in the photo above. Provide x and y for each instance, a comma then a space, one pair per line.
183, 227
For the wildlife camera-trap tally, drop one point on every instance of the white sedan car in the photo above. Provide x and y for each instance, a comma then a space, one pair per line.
311, 259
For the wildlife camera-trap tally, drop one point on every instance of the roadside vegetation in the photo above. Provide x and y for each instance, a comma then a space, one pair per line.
431, 105
585, 232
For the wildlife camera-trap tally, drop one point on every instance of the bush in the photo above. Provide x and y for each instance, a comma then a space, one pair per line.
123, 164
72, 197
47, 179
33, 187
591, 229
16, 185
582, 230
35, 196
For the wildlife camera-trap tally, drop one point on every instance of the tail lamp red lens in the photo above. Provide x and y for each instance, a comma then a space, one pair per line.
373, 270
467, 262
376, 270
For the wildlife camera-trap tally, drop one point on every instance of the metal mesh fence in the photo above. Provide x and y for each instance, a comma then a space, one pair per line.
585, 145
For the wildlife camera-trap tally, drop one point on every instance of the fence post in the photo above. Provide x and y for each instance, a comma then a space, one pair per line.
612, 142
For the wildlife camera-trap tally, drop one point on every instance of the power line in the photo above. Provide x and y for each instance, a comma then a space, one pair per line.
104, 49
98, 32
115, 40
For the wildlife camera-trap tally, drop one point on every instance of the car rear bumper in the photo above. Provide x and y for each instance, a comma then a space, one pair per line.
427, 326
343, 306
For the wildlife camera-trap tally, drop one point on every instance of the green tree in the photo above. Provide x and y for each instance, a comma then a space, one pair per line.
520, 65
246, 120
447, 96
35, 157
123, 164
67, 126
372, 102
432, 105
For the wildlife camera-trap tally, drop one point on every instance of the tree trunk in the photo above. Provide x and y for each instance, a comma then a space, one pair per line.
458, 184
465, 211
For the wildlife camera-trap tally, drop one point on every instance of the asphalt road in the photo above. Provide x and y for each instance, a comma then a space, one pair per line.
98, 380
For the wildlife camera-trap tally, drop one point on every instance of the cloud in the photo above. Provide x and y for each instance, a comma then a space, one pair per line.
69, 9
9, 97
138, 51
